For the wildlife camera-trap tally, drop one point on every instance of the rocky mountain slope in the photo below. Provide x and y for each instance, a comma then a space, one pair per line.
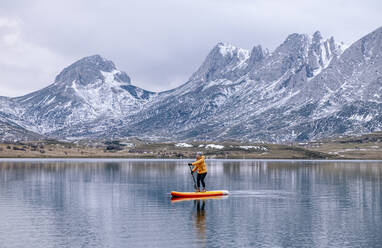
346, 98
10, 131
84, 95
240, 94
307, 88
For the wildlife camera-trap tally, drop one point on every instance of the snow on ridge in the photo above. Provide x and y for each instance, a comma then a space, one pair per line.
109, 78
50, 100
228, 49
127, 144
183, 145
261, 148
361, 118
213, 146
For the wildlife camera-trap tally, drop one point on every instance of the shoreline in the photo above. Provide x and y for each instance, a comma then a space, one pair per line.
366, 147
4, 159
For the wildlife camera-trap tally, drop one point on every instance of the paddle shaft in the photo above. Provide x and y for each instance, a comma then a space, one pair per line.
193, 178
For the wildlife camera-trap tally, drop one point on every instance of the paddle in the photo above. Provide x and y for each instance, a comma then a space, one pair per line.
193, 178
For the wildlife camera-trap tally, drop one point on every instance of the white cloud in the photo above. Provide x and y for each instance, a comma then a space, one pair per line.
24, 66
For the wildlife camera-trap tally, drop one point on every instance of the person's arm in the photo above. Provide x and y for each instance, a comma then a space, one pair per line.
198, 162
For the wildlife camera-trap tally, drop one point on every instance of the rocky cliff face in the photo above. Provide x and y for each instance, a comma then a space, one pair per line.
240, 94
346, 98
307, 88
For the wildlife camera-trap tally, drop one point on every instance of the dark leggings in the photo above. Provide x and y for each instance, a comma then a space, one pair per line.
200, 178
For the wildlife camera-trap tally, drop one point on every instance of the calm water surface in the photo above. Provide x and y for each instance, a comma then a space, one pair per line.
126, 203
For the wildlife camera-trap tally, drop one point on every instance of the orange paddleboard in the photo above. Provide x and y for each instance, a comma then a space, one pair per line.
182, 199
199, 194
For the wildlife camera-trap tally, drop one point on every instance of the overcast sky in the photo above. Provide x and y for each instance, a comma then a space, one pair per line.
159, 43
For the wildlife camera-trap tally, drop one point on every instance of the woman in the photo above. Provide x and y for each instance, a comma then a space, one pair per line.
200, 165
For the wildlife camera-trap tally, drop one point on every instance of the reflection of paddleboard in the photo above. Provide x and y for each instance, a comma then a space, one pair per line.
181, 199
199, 194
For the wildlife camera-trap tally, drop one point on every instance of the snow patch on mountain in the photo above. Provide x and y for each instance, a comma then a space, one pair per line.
213, 146
183, 145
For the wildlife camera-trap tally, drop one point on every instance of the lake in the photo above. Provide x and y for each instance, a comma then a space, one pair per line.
127, 203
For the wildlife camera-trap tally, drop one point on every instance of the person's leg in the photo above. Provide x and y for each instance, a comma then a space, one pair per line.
203, 176
198, 178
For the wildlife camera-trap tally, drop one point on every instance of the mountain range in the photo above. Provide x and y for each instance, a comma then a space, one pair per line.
306, 89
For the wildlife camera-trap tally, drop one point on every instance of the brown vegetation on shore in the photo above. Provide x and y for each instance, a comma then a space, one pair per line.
362, 147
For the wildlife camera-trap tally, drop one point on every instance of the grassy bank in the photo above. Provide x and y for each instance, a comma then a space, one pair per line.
367, 146
363, 147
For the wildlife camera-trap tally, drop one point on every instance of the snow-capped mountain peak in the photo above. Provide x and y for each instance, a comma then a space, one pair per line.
307, 88
231, 51
222, 59
89, 70
86, 90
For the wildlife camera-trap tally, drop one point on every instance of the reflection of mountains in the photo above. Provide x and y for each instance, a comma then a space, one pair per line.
331, 170
54, 181
174, 175
121, 171
125, 170
325, 190
87, 197
112, 195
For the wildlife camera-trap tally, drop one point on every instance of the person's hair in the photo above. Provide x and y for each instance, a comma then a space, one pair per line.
199, 154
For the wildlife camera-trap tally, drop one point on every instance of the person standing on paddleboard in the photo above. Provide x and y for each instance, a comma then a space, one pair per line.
201, 166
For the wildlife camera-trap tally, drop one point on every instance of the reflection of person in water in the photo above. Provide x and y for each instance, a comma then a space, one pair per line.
200, 221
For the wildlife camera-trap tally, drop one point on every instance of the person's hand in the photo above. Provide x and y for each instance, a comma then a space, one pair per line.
189, 164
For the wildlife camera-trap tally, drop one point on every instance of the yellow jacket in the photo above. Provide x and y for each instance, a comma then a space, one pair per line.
200, 165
